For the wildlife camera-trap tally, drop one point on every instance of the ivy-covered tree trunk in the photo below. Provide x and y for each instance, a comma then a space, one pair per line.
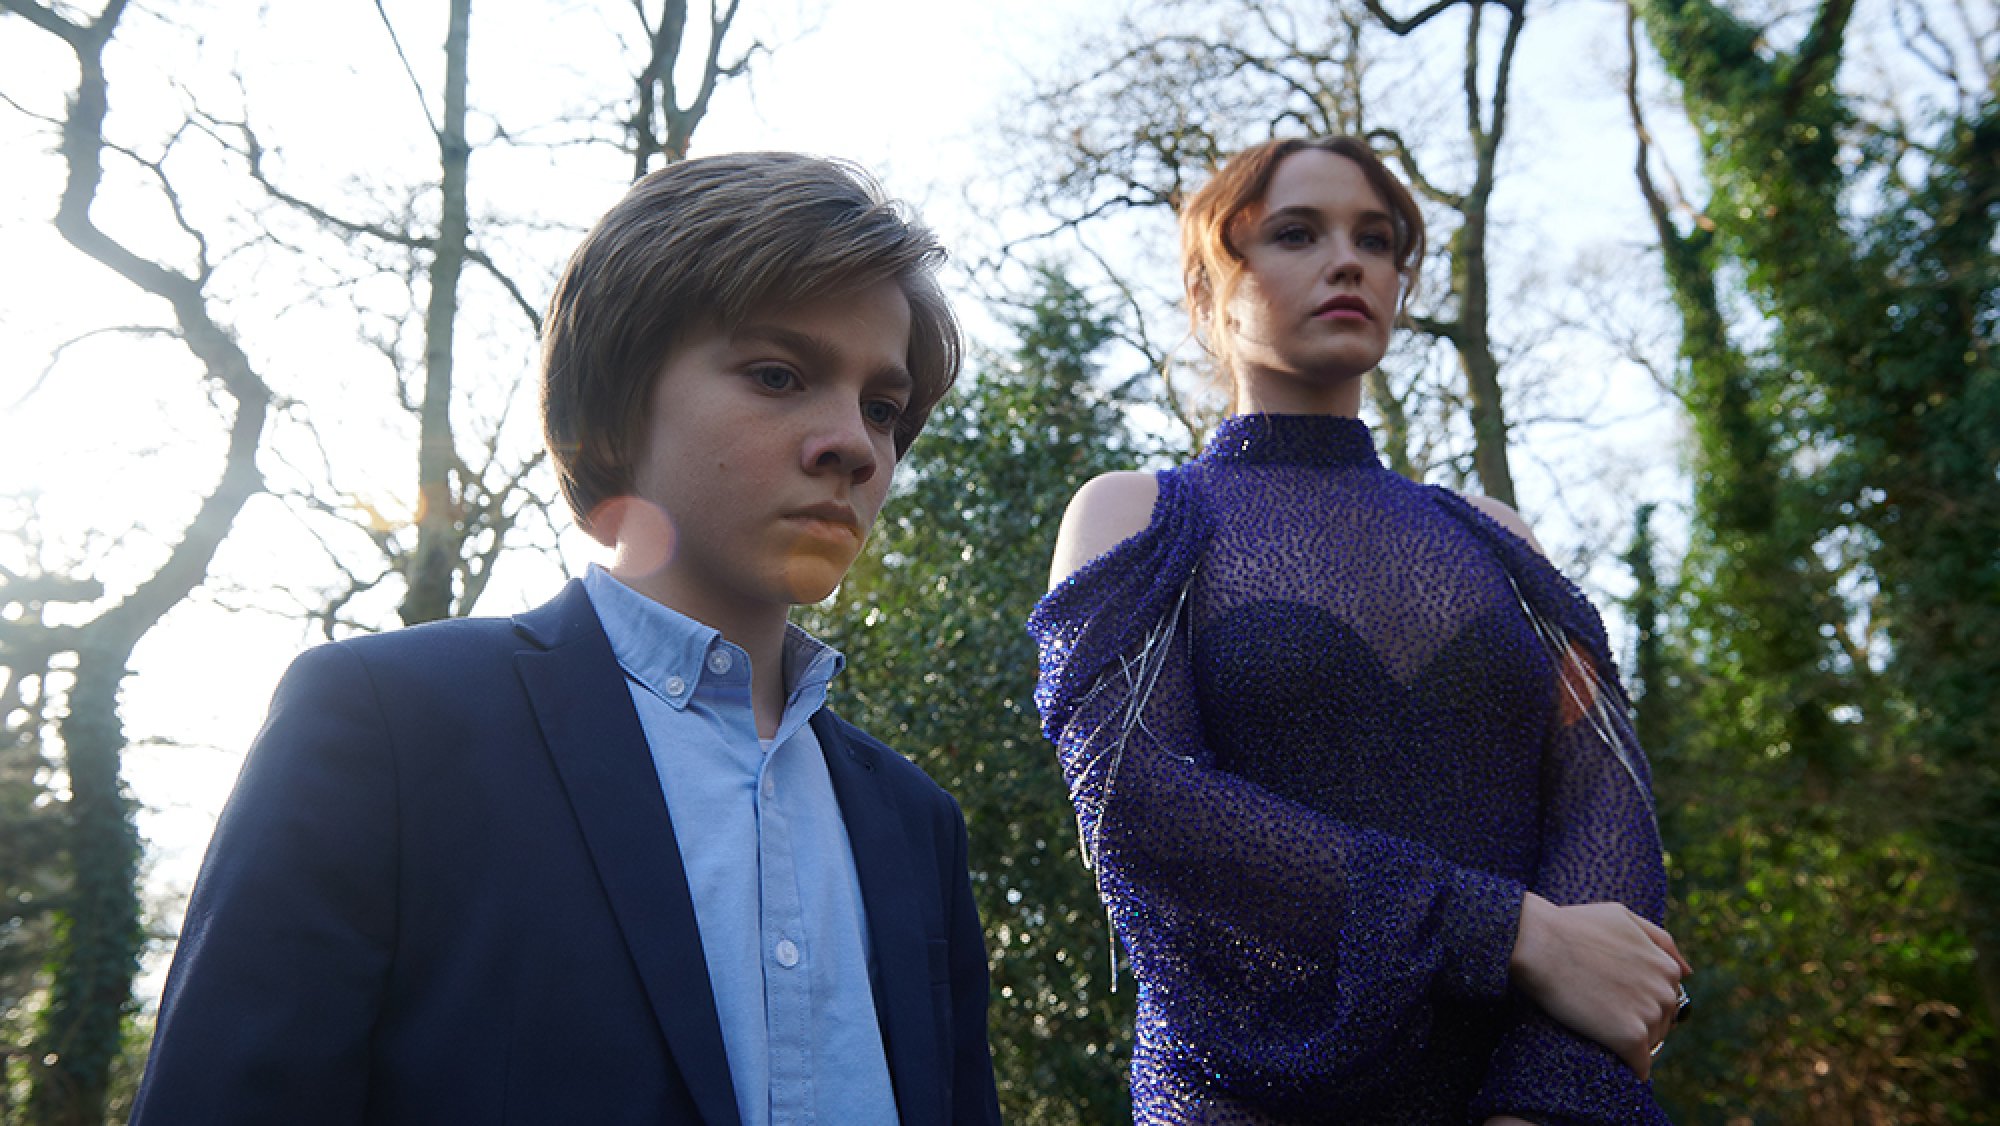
97, 952
1873, 264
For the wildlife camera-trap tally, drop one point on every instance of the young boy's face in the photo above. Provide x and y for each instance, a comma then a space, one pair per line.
768, 453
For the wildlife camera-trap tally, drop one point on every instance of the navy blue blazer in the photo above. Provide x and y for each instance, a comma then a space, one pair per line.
446, 889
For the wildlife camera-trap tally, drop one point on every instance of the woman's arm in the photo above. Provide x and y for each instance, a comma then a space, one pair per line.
1600, 968
1590, 953
1105, 512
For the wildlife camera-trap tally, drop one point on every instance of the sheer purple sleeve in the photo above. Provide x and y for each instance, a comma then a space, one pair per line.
1599, 842
1301, 955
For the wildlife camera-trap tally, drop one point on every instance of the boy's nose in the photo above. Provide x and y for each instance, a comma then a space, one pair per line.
841, 442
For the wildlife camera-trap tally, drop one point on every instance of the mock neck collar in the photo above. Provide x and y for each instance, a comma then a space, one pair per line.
1323, 440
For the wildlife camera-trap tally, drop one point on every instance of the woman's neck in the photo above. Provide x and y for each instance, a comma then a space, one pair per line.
1272, 393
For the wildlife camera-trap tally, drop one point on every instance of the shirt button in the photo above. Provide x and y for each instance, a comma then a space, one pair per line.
770, 786
788, 954
676, 686
719, 662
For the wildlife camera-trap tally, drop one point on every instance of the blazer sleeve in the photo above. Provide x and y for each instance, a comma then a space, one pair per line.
975, 1099
1300, 954
283, 959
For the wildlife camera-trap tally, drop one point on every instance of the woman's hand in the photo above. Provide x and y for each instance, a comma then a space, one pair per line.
1603, 971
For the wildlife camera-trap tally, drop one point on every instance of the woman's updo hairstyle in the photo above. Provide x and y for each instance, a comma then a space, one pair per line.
1211, 264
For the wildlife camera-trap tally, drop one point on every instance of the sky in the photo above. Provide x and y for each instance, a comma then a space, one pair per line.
118, 439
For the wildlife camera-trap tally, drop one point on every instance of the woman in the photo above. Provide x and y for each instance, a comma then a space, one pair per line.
1349, 757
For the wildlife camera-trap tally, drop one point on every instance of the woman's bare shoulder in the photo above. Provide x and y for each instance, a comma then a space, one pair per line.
1506, 517
1104, 513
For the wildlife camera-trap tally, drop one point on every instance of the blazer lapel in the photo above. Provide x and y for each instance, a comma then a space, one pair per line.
585, 711
895, 927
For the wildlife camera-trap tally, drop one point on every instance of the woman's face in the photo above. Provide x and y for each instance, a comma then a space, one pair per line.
1319, 286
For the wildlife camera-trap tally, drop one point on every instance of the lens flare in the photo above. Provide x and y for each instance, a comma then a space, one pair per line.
641, 531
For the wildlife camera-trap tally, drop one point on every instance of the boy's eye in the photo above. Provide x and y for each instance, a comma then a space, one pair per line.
882, 413
772, 377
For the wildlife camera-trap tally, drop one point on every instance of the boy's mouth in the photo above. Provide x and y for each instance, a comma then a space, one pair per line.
831, 515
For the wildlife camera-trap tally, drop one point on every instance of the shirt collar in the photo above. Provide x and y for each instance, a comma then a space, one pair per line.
668, 653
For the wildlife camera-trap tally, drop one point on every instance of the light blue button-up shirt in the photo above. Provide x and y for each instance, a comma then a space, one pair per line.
768, 862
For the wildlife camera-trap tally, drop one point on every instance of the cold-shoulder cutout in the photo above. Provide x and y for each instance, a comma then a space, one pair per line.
1499, 513
1105, 512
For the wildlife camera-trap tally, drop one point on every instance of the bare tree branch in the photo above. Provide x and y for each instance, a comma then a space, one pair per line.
1400, 150
1432, 326
1812, 63
528, 308
402, 56
253, 152
1404, 27
1503, 76
56, 355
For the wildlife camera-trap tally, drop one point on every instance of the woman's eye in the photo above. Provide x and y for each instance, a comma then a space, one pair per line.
1376, 241
771, 377
1292, 236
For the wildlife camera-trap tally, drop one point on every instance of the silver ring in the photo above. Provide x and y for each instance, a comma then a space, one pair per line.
1683, 1003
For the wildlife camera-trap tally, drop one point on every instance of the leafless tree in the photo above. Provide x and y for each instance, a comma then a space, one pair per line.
661, 127
473, 488
93, 966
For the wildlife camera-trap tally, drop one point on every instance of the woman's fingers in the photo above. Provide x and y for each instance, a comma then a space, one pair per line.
1607, 973
1663, 940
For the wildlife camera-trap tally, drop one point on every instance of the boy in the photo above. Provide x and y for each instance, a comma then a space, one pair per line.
614, 861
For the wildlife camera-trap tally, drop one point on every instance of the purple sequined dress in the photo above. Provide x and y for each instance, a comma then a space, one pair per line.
1313, 726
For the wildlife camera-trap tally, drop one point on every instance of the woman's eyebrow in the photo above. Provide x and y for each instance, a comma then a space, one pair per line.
1295, 211
1316, 214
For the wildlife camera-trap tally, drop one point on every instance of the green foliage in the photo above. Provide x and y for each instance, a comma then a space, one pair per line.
1833, 979
940, 666
32, 882
1837, 743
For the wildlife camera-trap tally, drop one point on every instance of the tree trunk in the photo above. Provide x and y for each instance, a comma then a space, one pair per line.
440, 523
98, 954
1475, 354
1469, 335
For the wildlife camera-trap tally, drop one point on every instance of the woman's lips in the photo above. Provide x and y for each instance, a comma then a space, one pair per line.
1344, 309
